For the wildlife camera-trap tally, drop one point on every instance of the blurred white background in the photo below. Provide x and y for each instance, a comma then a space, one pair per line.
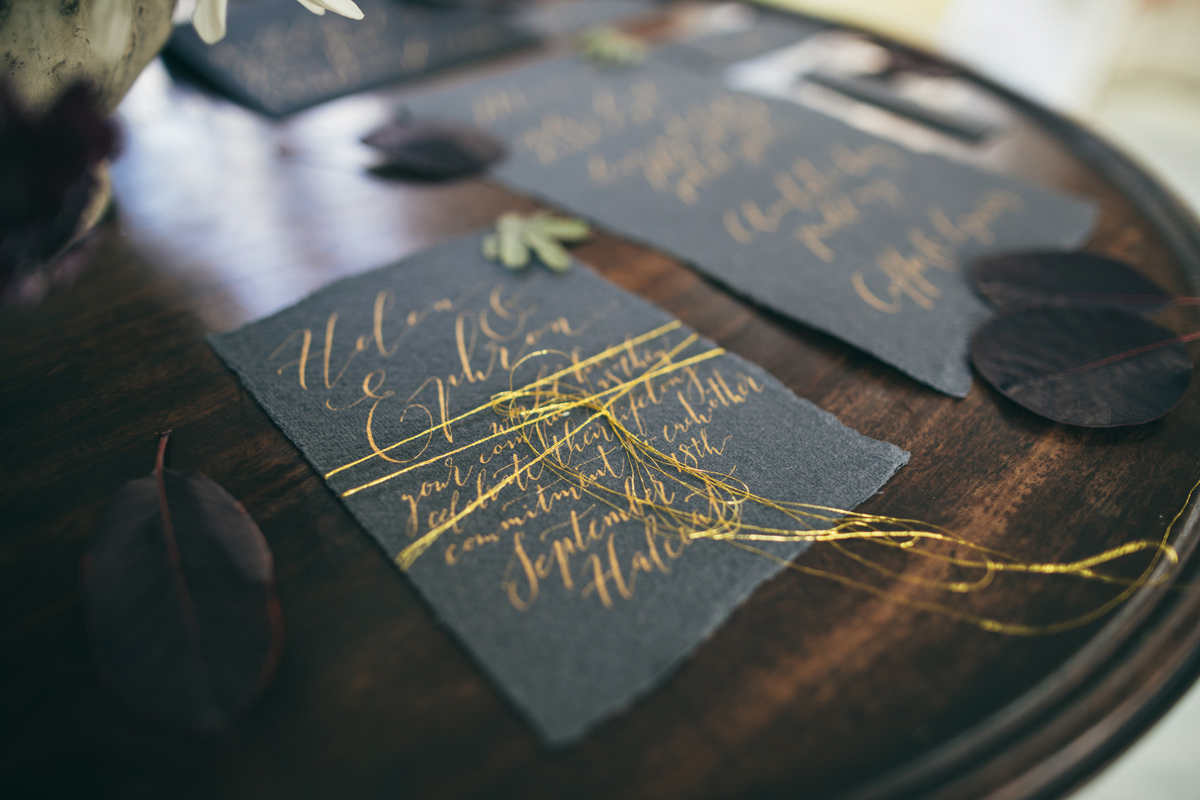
1128, 68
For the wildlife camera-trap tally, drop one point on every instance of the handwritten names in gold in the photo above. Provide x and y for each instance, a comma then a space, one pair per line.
933, 246
570, 493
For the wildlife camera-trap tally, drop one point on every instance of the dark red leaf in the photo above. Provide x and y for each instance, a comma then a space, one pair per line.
1090, 366
1008, 281
433, 151
180, 592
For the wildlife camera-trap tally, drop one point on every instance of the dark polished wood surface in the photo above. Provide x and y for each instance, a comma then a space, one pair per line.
811, 689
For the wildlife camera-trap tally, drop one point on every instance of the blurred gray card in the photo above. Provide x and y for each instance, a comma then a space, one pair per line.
554, 461
560, 17
796, 210
279, 58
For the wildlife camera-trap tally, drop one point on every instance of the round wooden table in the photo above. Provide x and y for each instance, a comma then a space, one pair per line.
811, 689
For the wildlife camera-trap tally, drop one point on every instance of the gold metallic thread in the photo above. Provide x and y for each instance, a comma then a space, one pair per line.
530, 410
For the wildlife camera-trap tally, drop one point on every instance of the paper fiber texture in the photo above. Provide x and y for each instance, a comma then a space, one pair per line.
556, 564
568, 16
278, 57
794, 209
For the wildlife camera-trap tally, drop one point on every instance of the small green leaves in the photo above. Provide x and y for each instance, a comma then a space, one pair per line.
542, 232
609, 46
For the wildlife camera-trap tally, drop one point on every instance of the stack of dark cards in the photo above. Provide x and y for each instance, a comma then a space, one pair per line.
278, 58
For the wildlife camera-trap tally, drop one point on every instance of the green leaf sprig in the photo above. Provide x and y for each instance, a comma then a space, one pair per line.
541, 233
609, 46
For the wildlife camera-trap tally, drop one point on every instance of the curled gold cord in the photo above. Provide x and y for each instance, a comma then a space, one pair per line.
716, 502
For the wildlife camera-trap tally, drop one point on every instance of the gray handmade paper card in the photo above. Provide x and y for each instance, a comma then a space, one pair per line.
567, 16
558, 465
800, 212
279, 58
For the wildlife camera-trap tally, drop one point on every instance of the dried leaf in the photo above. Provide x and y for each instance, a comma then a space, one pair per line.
180, 592
432, 151
1008, 281
516, 236
564, 230
605, 45
513, 253
1089, 366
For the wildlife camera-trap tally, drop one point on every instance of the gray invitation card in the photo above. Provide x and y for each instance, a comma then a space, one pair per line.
560, 17
278, 57
800, 212
557, 464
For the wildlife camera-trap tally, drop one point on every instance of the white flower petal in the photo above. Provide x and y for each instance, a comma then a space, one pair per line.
313, 7
346, 8
209, 20
112, 23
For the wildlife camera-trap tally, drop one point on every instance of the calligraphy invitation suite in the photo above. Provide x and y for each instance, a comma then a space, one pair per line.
800, 212
278, 57
554, 462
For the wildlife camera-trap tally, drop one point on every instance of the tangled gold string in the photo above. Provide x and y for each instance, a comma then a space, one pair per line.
531, 410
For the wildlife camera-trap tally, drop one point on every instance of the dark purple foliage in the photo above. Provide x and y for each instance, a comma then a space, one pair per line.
432, 151
1089, 366
1008, 281
179, 589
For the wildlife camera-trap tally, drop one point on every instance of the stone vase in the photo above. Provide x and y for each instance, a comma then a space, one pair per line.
48, 44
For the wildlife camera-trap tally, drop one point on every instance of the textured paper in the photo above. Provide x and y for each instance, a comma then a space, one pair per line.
405, 350
558, 18
802, 213
278, 57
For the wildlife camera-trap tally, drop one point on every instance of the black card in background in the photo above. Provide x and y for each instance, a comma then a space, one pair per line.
278, 58
800, 212
574, 607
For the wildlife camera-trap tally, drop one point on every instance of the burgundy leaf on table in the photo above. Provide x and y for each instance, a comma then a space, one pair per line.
1089, 366
1008, 281
179, 589
432, 151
